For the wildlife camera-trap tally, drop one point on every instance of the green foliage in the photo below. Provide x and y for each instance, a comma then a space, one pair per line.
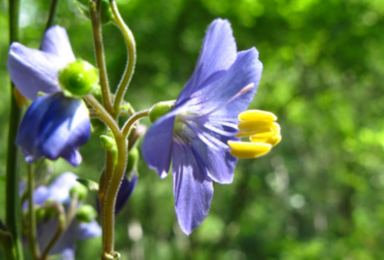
319, 193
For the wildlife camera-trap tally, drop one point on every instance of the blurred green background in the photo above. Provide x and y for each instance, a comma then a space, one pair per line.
317, 195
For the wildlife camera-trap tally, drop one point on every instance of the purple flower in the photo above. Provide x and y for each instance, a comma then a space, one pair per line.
59, 191
195, 133
54, 125
33, 71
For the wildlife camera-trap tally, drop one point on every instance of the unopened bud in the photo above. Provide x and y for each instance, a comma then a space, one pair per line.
80, 190
78, 78
107, 142
86, 213
106, 14
133, 159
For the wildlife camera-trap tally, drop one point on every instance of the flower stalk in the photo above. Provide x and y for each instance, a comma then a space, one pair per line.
131, 47
32, 234
94, 10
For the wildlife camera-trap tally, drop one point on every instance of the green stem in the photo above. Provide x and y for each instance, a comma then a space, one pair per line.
113, 183
12, 177
52, 13
60, 229
7, 242
128, 125
103, 115
131, 46
94, 10
32, 234
108, 216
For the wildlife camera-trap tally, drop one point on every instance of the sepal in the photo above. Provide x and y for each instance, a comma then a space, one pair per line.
160, 109
78, 79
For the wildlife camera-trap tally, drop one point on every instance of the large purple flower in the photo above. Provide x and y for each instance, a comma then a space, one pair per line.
54, 125
195, 133
59, 191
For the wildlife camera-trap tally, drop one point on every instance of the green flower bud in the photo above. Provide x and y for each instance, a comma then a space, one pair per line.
108, 143
78, 78
106, 14
89, 184
80, 190
41, 215
160, 109
133, 159
86, 213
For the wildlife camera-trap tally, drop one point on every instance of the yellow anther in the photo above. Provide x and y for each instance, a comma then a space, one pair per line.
273, 140
266, 129
248, 149
259, 115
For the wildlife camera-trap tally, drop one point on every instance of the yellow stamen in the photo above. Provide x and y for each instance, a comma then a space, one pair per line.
248, 149
266, 129
259, 115
273, 140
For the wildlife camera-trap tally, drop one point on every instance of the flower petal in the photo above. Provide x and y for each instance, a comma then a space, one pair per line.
28, 130
32, 70
88, 230
125, 191
218, 161
60, 187
56, 42
217, 55
64, 128
157, 145
193, 189
246, 70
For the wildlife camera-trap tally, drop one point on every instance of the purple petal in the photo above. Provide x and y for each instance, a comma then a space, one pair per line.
193, 190
56, 42
64, 128
157, 145
33, 71
88, 230
246, 70
72, 156
217, 54
28, 130
40, 195
125, 191
60, 187
210, 147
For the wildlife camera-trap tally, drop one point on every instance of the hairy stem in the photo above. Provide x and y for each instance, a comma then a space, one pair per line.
129, 69
128, 125
94, 10
108, 216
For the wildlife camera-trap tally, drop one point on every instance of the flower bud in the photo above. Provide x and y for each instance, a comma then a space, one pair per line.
107, 142
160, 109
106, 14
86, 213
78, 78
80, 190
133, 159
